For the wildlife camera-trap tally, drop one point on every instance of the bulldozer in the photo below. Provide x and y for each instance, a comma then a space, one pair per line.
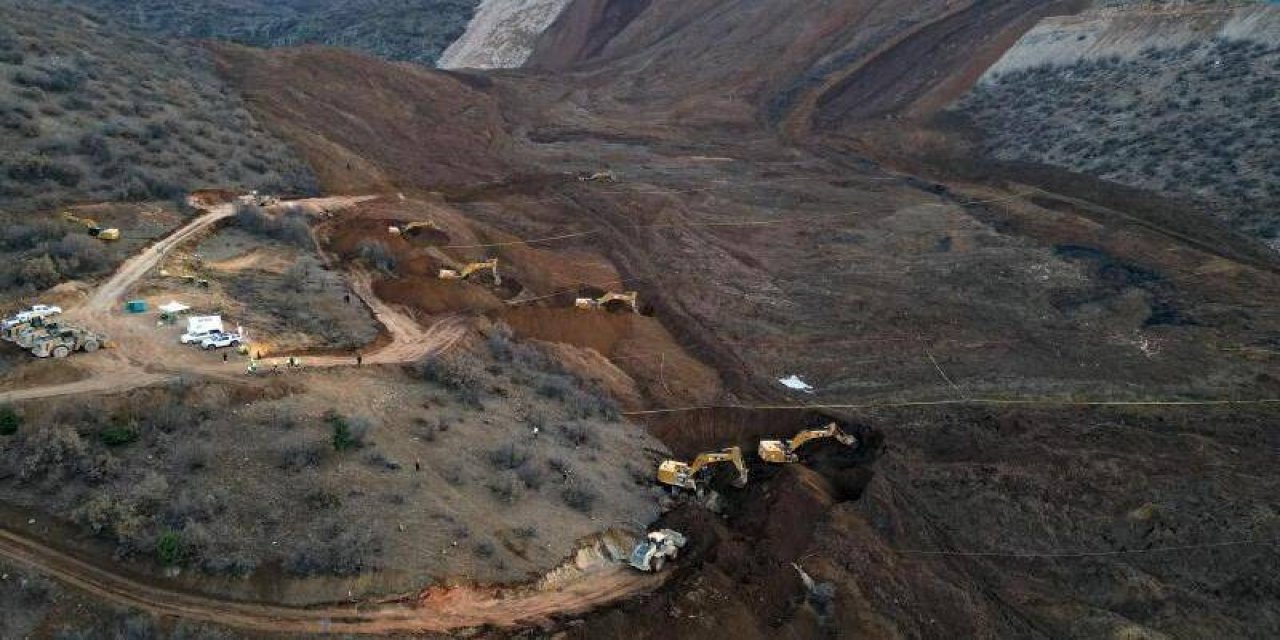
491, 264
61, 343
693, 475
658, 546
29, 336
784, 451
95, 229
629, 299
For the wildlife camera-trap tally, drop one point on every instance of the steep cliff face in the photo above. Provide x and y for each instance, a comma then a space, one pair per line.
502, 34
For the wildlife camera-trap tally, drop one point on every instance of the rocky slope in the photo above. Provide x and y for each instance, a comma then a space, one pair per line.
770, 244
502, 34
1183, 101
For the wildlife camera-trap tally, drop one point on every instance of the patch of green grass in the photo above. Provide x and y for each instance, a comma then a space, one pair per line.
169, 548
10, 420
118, 435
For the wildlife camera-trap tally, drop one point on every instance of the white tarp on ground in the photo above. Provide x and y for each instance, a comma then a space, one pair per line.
174, 307
794, 382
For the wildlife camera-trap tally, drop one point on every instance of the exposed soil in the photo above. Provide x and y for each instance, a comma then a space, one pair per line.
809, 258
780, 218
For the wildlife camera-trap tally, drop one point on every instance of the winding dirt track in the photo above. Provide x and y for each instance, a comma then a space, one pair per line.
409, 342
106, 295
432, 611
435, 610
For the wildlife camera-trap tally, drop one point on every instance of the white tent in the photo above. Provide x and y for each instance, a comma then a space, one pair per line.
174, 307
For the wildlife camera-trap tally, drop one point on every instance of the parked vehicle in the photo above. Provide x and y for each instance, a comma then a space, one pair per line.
201, 327
199, 336
37, 311
221, 340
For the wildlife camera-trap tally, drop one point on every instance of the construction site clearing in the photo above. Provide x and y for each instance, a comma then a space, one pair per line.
187, 338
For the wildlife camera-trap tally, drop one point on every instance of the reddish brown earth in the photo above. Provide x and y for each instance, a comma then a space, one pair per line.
779, 217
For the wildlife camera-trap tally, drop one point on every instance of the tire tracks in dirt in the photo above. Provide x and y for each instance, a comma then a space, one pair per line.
133, 269
433, 610
409, 342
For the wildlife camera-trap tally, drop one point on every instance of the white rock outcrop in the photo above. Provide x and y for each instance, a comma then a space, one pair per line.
502, 34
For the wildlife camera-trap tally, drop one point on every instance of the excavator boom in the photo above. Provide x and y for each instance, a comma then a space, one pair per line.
687, 475
784, 451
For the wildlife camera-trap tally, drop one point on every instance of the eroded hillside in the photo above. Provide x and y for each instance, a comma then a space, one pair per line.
1061, 388
1182, 102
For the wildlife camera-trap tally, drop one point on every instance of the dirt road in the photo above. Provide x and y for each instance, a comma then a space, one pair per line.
115, 376
431, 611
409, 342
133, 269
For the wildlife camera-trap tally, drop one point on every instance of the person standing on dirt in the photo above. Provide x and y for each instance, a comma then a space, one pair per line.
346, 297
224, 356
359, 359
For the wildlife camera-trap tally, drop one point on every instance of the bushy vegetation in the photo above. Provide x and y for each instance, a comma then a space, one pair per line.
412, 30
38, 253
290, 227
91, 112
137, 471
305, 302
1200, 121
10, 420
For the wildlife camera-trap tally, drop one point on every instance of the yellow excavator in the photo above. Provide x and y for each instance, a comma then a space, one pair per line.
491, 264
784, 451
629, 299
92, 225
691, 475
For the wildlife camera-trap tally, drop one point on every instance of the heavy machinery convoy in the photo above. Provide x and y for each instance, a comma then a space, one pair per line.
659, 546
38, 331
693, 475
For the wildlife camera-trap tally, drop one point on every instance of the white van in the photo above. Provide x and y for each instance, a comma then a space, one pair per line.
201, 327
